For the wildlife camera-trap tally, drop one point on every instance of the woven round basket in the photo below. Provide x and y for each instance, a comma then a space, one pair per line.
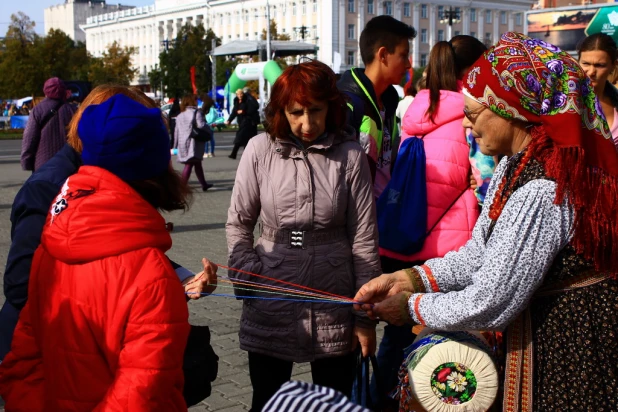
452, 372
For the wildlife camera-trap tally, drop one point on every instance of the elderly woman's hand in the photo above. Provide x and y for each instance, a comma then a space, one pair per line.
381, 288
203, 282
393, 310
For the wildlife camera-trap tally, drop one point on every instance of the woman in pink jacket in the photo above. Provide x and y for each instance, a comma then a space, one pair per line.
436, 116
308, 181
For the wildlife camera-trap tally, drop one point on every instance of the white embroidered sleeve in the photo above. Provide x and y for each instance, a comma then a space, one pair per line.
527, 237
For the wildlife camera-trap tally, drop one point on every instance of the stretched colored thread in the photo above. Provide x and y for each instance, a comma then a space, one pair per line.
317, 292
277, 288
287, 283
284, 294
285, 299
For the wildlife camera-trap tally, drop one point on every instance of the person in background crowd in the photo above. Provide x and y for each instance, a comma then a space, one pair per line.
30, 209
384, 46
543, 258
245, 109
106, 324
190, 151
306, 153
402, 107
598, 57
45, 131
208, 108
435, 115
174, 112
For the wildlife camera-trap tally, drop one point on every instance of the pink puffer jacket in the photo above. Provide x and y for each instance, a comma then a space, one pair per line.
447, 170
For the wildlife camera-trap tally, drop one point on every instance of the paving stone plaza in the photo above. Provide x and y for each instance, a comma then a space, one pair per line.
198, 233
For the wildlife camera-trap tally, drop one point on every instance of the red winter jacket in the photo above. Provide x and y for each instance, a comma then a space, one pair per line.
106, 323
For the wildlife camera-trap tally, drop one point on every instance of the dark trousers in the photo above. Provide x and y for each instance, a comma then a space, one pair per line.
235, 150
199, 172
268, 374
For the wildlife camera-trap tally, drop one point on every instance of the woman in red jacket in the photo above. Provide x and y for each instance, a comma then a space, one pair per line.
106, 324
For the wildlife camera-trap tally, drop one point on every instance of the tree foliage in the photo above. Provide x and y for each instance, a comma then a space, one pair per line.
28, 60
190, 48
274, 33
114, 67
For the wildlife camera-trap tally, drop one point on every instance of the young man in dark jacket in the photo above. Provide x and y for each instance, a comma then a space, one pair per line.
385, 49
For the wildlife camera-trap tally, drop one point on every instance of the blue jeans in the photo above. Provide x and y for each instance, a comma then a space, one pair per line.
210, 145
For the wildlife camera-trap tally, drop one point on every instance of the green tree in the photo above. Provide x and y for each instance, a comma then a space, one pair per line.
18, 73
21, 29
114, 67
274, 33
191, 48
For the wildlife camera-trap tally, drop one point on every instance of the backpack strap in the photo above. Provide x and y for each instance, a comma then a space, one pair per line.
49, 115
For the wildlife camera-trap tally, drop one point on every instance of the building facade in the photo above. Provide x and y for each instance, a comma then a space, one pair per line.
333, 25
72, 13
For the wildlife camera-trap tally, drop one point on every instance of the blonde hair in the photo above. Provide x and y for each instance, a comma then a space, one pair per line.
98, 96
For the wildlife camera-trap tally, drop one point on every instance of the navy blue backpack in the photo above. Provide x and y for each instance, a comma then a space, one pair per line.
402, 207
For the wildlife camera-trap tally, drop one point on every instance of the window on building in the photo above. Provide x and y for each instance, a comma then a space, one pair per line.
293, 9
473, 15
255, 35
518, 19
487, 16
457, 33
247, 36
423, 35
473, 33
423, 60
406, 9
247, 17
304, 7
220, 19
369, 6
351, 61
423, 11
273, 12
440, 12
458, 11
502, 17
351, 6
237, 17
440, 35
315, 6
351, 32
388, 8
488, 38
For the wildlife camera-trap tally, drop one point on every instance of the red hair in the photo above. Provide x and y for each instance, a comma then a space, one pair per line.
304, 83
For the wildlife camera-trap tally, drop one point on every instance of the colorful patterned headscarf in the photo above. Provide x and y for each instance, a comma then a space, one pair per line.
535, 82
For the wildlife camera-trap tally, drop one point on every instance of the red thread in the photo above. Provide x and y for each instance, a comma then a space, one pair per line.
287, 283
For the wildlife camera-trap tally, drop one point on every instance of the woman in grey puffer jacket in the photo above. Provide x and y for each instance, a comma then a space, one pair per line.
190, 151
306, 177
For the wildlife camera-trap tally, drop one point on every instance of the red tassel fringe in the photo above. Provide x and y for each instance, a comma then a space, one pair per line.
593, 195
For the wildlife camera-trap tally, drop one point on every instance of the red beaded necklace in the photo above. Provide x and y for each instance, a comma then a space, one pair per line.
505, 189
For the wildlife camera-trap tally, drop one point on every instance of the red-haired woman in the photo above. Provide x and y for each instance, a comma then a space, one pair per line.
308, 181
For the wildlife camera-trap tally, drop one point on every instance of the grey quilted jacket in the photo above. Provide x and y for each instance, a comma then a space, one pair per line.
326, 187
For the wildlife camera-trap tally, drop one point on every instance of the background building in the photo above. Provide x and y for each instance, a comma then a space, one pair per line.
69, 15
333, 25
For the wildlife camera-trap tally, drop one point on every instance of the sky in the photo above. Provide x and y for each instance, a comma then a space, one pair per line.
34, 10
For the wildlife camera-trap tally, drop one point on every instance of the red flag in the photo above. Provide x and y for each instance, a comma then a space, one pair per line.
193, 80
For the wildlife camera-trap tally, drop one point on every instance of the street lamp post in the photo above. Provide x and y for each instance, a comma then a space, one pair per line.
267, 31
449, 17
